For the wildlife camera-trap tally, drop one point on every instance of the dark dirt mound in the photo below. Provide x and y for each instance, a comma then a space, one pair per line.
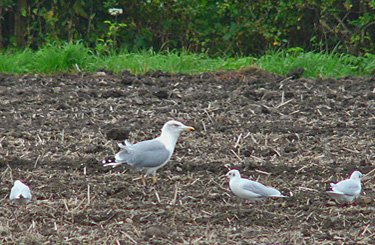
295, 134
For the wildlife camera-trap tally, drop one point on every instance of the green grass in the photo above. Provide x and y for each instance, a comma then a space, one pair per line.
317, 64
171, 62
16, 62
69, 57
59, 58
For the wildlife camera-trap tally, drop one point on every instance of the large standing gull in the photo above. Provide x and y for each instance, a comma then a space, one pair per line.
20, 193
345, 191
248, 189
150, 155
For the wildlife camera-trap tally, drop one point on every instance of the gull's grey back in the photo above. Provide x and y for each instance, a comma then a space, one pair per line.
260, 189
149, 153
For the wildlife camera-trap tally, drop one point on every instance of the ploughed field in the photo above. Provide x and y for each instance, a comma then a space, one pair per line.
295, 134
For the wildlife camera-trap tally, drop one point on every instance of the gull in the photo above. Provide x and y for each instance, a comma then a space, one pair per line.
150, 155
248, 189
20, 193
345, 191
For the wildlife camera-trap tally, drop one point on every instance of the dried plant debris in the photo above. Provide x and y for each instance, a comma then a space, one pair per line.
297, 135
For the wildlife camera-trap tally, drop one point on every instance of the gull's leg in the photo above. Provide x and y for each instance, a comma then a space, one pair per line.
143, 179
11, 209
154, 177
15, 217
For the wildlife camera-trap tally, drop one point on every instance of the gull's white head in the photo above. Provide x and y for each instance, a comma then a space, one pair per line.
18, 183
175, 127
234, 173
356, 175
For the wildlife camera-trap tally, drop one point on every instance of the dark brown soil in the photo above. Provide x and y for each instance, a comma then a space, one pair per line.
297, 135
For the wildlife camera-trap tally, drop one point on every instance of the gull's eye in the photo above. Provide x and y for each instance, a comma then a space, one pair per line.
175, 125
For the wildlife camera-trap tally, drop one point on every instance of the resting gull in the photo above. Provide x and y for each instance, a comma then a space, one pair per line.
248, 189
20, 193
345, 191
150, 155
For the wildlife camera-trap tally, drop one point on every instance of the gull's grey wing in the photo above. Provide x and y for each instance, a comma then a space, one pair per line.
259, 189
26, 193
149, 153
17, 191
347, 187
13, 193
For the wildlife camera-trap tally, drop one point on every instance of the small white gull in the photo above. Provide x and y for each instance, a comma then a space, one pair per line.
20, 193
248, 189
150, 155
345, 191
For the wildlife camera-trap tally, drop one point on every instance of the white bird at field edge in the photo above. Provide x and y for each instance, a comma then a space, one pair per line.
20, 193
345, 191
150, 155
250, 190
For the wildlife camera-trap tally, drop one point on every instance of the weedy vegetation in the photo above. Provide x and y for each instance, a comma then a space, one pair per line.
69, 57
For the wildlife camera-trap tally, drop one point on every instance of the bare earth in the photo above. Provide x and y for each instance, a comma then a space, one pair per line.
297, 135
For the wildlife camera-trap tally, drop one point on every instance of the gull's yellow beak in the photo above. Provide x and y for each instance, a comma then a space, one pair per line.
188, 128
